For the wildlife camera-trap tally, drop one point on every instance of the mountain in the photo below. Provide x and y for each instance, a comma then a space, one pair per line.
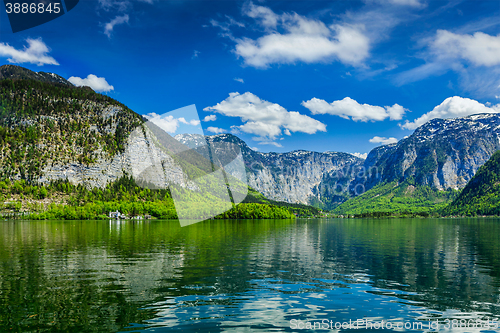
51, 130
442, 153
398, 199
20, 73
481, 196
75, 148
296, 177
422, 172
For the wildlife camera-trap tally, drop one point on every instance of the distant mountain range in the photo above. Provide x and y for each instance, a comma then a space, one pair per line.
442, 154
84, 137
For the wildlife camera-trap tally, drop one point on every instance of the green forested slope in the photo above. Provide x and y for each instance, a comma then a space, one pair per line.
62, 200
42, 123
481, 196
401, 199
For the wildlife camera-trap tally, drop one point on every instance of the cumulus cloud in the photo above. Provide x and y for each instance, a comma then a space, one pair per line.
349, 108
94, 82
263, 118
168, 122
35, 53
480, 49
108, 27
216, 130
289, 38
211, 117
383, 140
306, 42
237, 79
452, 107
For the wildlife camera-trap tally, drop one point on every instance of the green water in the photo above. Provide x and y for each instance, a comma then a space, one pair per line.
269, 275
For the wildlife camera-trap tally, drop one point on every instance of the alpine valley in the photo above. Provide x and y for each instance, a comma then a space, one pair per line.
63, 146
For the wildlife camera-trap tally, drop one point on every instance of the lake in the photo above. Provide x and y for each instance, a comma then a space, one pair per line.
243, 275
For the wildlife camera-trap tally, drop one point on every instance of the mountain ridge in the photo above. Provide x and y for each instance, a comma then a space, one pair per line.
442, 153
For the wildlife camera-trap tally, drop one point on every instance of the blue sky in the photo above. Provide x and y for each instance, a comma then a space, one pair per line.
283, 75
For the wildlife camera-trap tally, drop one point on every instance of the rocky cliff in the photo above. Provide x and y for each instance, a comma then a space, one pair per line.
296, 177
443, 153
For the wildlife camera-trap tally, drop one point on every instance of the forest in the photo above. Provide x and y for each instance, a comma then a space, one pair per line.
61, 200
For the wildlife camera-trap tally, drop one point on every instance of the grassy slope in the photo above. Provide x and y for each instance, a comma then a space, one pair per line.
481, 196
299, 209
397, 198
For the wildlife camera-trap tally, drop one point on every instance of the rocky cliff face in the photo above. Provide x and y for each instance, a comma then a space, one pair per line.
297, 177
443, 153
144, 158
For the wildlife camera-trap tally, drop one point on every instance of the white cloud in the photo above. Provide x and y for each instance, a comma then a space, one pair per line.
360, 155
474, 57
216, 130
383, 140
108, 27
263, 118
348, 107
211, 117
346, 44
35, 53
265, 15
168, 123
452, 107
299, 39
254, 148
196, 53
287, 132
94, 82
193, 122
480, 49
239, 80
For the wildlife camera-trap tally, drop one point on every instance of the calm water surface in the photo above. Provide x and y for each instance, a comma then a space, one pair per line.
270, 275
